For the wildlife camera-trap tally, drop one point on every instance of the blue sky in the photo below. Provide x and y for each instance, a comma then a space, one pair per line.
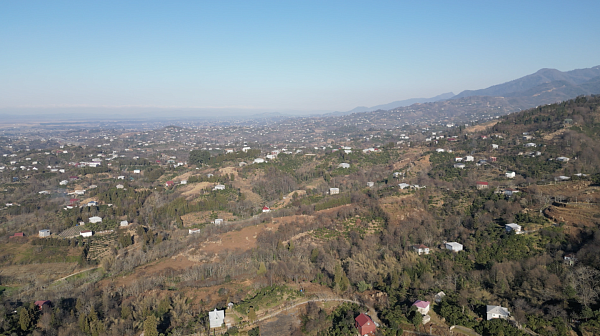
289, 55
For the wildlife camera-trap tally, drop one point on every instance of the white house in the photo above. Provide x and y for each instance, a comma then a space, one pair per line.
440, 150
86, 233
63, 182
459, 165
92, 203
95, 219
120, 177
516, 228
403, 185
192, 231
562, 159
183, 182
453, 246
494, 146
510, 174
334, 191
421, 249
422, 306
370, 184
458, 159
219, 187
530, 144
218, 221
44, 233
124, 223
216, 318
259, 160
344, 165
120, 186
469, 158
137, 171
439, 296
266, 209
494, 312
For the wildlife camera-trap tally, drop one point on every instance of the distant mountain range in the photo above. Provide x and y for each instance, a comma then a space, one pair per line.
402, 103
543, 87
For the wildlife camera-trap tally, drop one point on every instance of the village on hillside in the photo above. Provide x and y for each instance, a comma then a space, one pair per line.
368, 224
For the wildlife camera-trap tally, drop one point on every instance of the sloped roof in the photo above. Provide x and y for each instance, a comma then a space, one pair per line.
362, 319
497, 310
421, 304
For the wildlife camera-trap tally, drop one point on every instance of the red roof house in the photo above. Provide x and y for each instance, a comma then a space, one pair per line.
42, 303
482, 185
170, 183
17, 234
364, 324
266, 209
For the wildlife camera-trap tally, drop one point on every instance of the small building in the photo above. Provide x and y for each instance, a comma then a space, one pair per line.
41, 303
421, 249
17, 234
494, 312
439, 297
218, 221
259, 160
364, 324
494, 146
530, 144
440, 150
453, 246
370, 184
192, 231
469, 158
422, 306
219, 187
403, 185
562, 159
169, 184
92, 203
334, 191
510, 191
120, 177
493, 159
458, 159
459, 165
120, 186
344, 165
183, 182
569, 259
482, 185
44, 233
86, 233
266, 209
95, 219
516, 228
137, 171
216, 318
124, 223
510, 174
63, 182
426, 319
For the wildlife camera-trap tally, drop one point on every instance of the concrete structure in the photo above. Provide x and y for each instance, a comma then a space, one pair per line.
219, 187
516, 228
216, 318
510, 174
453, 246
344, 165
218, 221
95, 219
494, 312
124, 223
86, 233
191, 231
334, 191
482, 185
44, 233
370, 184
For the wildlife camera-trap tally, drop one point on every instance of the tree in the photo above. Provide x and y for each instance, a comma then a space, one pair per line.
199, 157
24, 318
251, 314
151, 326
